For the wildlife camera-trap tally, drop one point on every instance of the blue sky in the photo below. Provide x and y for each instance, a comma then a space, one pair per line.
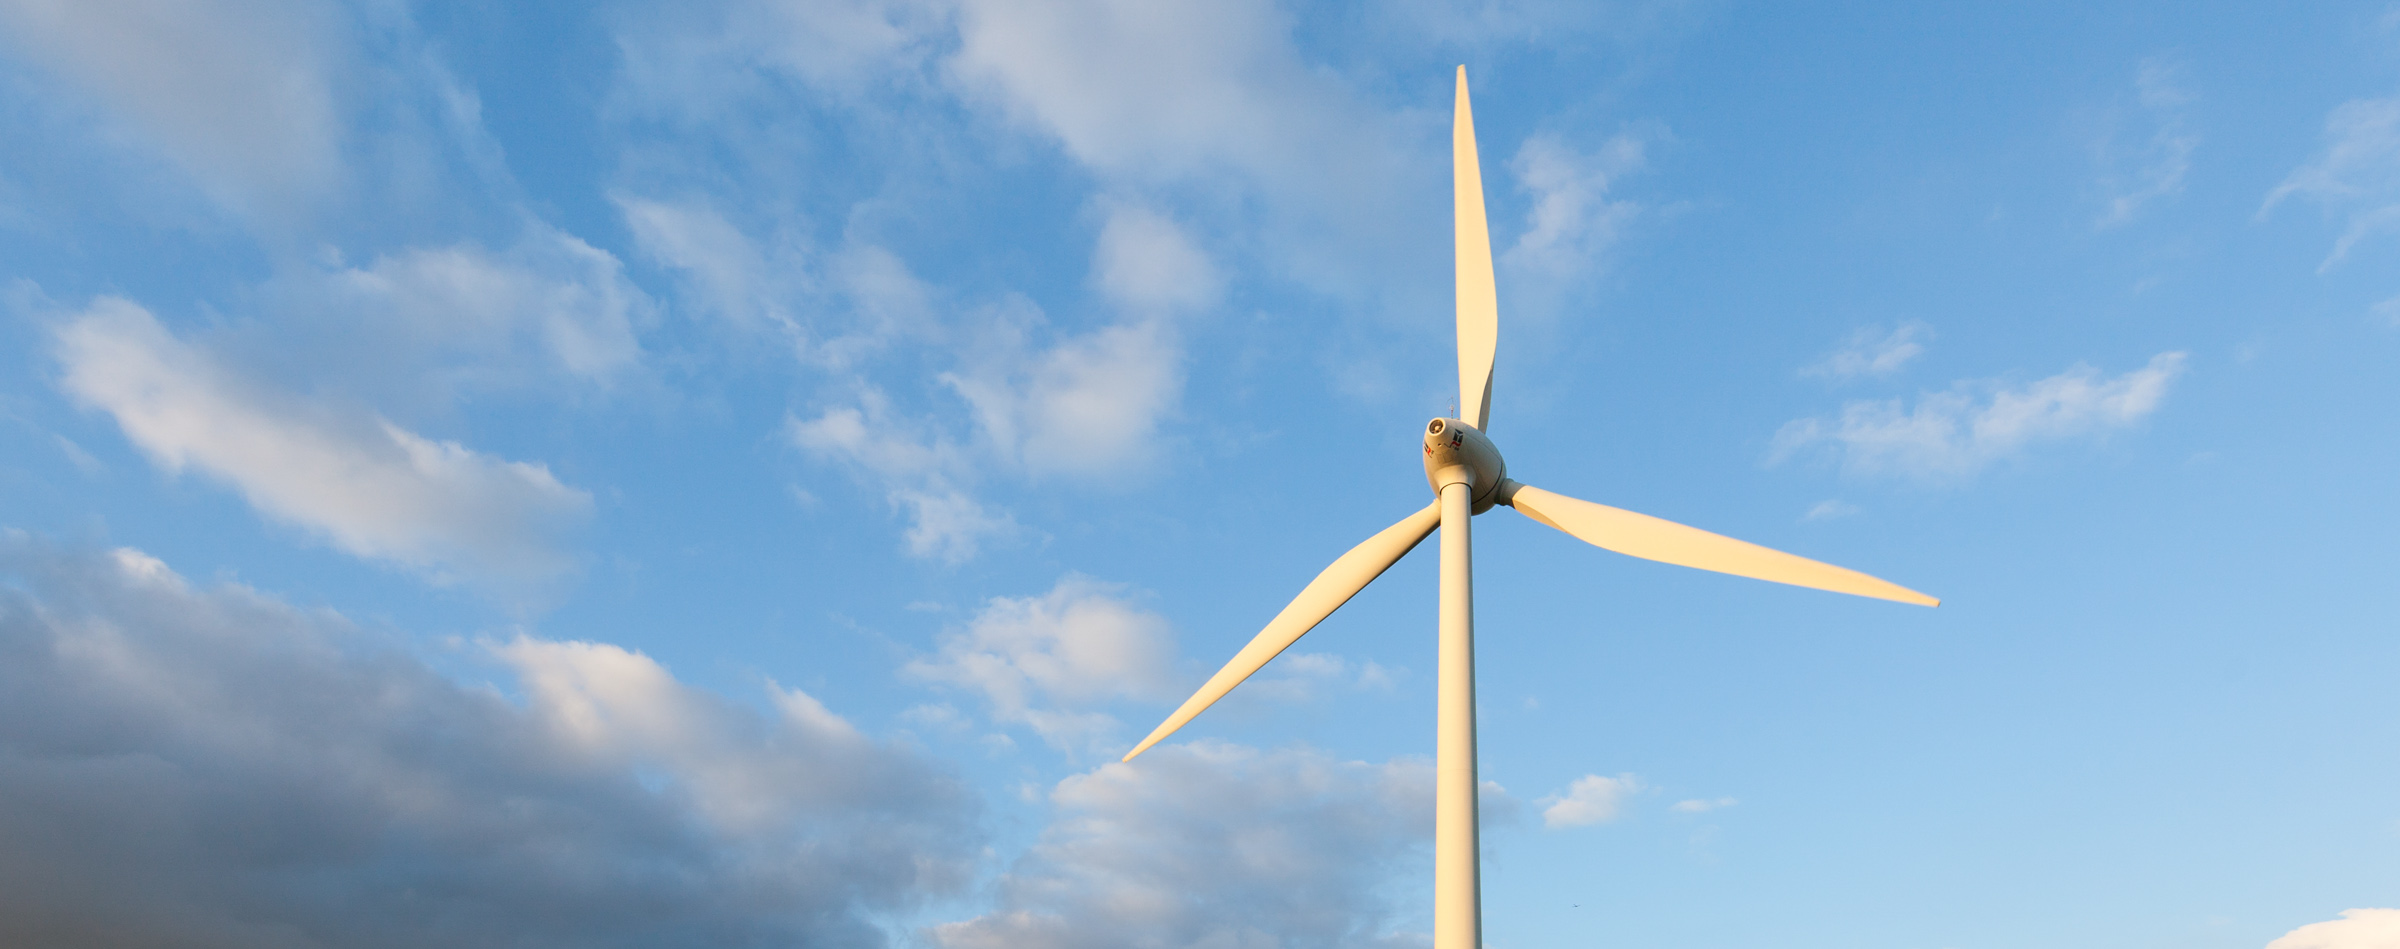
740, 472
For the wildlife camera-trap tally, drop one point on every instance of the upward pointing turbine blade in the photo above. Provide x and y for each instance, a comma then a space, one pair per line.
1350, 573
1650, 538
1478, 302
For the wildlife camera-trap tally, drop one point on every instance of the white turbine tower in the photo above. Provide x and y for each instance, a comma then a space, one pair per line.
1468, 477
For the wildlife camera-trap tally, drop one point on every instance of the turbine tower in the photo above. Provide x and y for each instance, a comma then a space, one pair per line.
1468, 478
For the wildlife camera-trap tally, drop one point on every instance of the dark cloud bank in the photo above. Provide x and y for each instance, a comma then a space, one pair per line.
211, 767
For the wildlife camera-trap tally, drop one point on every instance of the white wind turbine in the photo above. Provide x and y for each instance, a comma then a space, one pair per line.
1468, 477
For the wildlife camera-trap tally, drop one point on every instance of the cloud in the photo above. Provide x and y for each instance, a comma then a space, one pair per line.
446, 320
369, 487
1959, 432
1298, 677
688, 61
2357, 929
1150, 91
1701, 805
920, 474
2358, 174
1570, 24
212, 767
1210, 844
1572, 221
1829, 509
235, 91
1871, 352
1592, 799
1045, 661
1087, 407
1146, 263
723, 270
1039, 404
2154, 168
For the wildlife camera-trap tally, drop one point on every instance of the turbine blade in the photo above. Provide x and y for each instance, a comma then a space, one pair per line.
1350, 573
1650, 538
1478, 301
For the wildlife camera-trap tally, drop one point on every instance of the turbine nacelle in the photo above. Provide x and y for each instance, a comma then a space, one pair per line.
1459, 453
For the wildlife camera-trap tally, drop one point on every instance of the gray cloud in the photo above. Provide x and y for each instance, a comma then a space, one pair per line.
237, 92
1211, 844
212, 767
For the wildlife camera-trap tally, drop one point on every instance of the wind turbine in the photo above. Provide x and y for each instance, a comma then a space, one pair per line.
1468, 478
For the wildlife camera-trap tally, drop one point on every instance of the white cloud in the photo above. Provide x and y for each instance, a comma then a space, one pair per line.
1150, 90
2357, 929
920, 474
212, 767
2358, 174
1211, 844
835, 310
1871, 352
1214, 99
1045, 661
1592, 799
1298, 677
236, 91
725, 272
1959, 432
2388, 311
687, 60
1702, 805
368, 486
1572, 221
1576, 24
1829, 509
624, 709
1146, 263
1088, 407
467, 317
2155, 167
1084, 406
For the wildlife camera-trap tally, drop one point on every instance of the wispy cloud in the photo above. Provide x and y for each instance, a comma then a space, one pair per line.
921, 474
1573, 219
1959, 432
433, 324
366, 485
179, 755
1702, 805
1830, 509
1870, 351
1045, 662
1038, 404
1592, 799
2151, 166
2357, 175
1147, 263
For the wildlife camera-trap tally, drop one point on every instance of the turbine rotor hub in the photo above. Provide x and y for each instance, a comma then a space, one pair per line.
1459, 453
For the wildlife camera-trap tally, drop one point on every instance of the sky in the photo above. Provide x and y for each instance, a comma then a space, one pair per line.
740, 472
